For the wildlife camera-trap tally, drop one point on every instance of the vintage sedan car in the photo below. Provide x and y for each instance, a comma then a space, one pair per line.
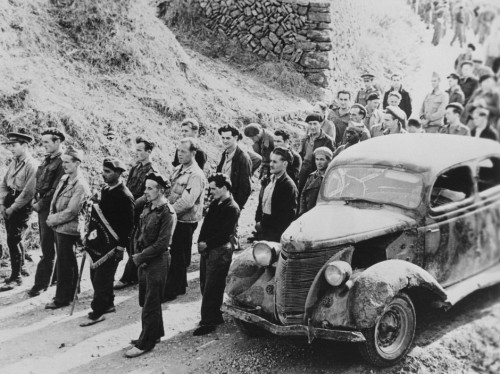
402, 222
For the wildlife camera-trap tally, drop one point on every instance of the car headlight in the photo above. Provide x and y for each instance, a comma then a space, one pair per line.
266, 253
338, 273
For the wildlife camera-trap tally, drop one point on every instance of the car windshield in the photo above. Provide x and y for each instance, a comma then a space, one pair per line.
373, 184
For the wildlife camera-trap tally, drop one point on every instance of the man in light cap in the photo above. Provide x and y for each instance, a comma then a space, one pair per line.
453, 126
117, 206
352, 136
373, 113
433, 107
16, 192
309, 194
455, 93
47, 177
405, 101
369, 88
263, 145
392, 123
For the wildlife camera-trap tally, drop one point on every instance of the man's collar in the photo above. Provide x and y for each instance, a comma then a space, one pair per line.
141, 164
53, 155
109, 188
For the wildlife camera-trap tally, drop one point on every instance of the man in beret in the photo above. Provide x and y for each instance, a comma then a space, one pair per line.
369, 88
405, 101
340, 115
323, 156
452, 124
136, 185
468, 82
263, 145
315, 138
16, 192
277, 205
352, 136
433, 107
216, 250
151, 243
392, 122
117, 206
455, 93
47, 177
459, 22
190, 128
373, 113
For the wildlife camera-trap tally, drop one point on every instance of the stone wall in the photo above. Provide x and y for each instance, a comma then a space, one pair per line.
292, 30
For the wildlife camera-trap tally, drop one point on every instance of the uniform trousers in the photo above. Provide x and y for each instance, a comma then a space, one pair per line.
45, 267
67, 268
102, 279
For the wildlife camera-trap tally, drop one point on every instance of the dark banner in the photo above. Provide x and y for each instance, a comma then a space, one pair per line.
100, 239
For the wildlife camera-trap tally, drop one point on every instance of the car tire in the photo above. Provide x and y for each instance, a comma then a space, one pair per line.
392, 336
249, 329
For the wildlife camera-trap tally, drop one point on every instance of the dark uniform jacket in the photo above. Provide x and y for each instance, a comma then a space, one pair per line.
47, 177
293, 168
468, 86
456, 95
264, 147
310, 193
487, 133
220, 223
405, 103
241, 174
137, 177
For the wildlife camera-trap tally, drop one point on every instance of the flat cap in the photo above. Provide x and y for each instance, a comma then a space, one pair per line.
323, 151
467, 62
367, 75
114, 164
315, 117
158, 178
18, 137
373, 96
456, 106
396, 112
454, 76
74, 152
54, 132
251, 130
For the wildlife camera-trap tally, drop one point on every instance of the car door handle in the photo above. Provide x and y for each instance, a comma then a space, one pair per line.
433, 230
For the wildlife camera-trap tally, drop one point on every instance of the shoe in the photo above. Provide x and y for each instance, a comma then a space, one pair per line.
25, 272
35, 291
215, 323
92, 321
204, 330
111, 309
135, 341
118, 285
55, 305
135, 352
10, 284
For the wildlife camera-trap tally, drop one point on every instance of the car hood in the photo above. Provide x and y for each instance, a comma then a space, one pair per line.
336, 224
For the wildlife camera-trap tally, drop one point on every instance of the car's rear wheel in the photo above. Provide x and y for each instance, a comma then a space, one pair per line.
390, 339
249, 329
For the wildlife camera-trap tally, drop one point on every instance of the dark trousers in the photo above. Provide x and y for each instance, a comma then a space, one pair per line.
214, 265
15, 226
67, 268
269, 231
152, 279
45, 267
102, 281
182, 242
130, 272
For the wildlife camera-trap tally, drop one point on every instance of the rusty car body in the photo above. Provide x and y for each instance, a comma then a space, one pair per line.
401, 221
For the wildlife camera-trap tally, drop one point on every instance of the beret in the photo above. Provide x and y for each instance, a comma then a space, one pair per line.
75, 153
454, 76
18, 137
158, 178
314, 117
373, 96
396, 112
114, 163
324, 151
252, 130
55, 132
192, 122
457, 106
284, 152
361, 108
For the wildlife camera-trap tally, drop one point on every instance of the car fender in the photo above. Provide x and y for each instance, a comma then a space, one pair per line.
243, 272
375, 287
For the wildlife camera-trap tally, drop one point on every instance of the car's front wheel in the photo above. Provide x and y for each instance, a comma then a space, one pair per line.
248, 329
390, 339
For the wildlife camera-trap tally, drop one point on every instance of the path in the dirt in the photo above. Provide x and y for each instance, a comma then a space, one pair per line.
35, 340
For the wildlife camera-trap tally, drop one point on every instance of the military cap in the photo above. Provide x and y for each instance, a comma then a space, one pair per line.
373, 96
18, 137
466, 62
436, 75
362, 109
75, 153
454, 76
324, 151
396, 94
396, 112
367, 75
484, 77
148, 142
114, 164
456, 106
471, 46
477, 60
191, 122
252, 130
54, 132
158, 178
314, 117
284, 153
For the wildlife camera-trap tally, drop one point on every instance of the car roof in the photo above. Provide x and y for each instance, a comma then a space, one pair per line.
418, 152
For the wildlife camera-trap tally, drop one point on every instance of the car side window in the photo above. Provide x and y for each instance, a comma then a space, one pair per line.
454, 185
488, 174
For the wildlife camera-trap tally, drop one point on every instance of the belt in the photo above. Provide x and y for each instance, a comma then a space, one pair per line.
13, 192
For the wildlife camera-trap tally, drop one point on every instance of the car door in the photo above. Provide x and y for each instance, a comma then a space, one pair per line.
450, 230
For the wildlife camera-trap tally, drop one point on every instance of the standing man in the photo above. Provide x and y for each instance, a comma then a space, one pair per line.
465, 56
151, 243
369, 88
136, 185
453, 126
340, 116
373, 113
117, 207
459, 23
327, 126
16, 192
315, 139
433, 107
455, 93
392, 123
236, 164
278, 204
47, 177
352, 136
468, 83
394, 99
263, 145
323, 156
405, 101
186, 197
358, 115
214, 246
190, 128
282, 139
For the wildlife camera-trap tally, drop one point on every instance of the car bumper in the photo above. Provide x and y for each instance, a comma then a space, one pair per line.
309, 331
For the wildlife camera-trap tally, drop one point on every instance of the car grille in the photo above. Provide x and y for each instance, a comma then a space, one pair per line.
294, 276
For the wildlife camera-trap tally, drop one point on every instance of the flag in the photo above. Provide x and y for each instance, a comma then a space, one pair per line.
100, 240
